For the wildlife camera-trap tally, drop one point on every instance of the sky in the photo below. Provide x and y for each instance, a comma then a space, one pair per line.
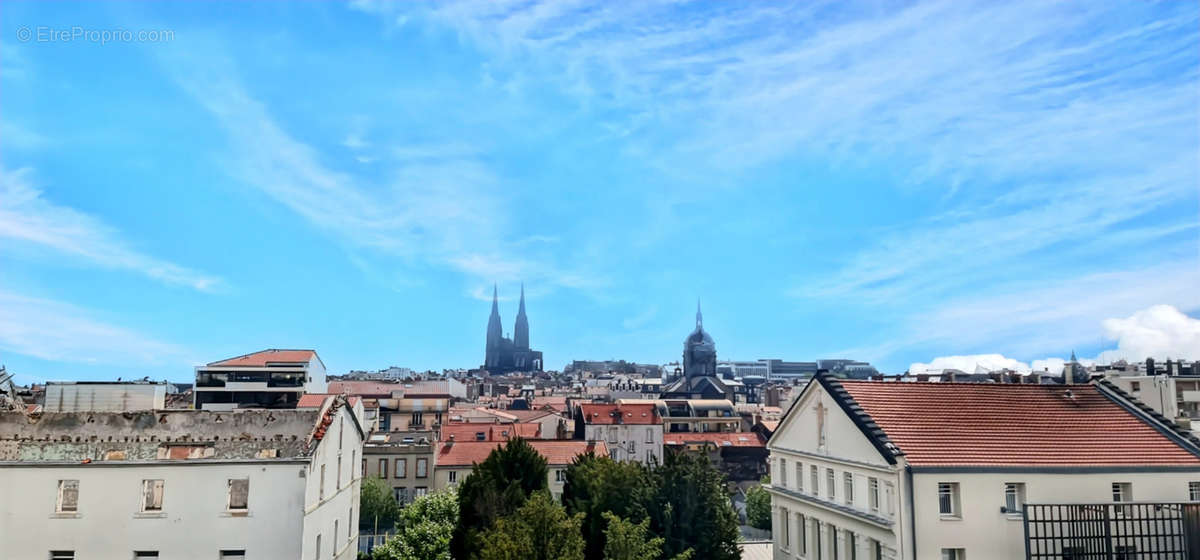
896, 182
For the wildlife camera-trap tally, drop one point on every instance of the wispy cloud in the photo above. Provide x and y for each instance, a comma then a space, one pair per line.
27, 216
52, 330
436, 204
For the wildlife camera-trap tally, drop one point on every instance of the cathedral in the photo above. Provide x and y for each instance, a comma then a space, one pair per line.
506, 355
699, 380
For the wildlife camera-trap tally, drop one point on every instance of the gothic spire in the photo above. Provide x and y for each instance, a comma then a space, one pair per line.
521, 311
521, 330
699, 317
495, 300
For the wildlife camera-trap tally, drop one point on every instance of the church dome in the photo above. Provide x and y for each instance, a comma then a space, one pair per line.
698, 336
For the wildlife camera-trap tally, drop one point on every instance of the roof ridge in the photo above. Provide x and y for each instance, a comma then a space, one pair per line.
860, 417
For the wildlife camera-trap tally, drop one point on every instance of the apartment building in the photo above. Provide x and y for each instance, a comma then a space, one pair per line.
268, 379
181, 484
404, 460
632, 432
888, 470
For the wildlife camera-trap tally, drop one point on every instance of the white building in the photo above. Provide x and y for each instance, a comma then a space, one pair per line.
267, 379
104, 396
867, 469
181, 484
632, 432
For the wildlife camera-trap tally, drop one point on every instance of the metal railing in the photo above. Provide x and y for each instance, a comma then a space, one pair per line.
1112, 531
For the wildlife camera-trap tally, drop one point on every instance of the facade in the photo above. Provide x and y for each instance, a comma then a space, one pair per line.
404, 460
741, 456
505, 355
868, 469
632, 432
181, 484
100, 396
267, 379
699, 380
455, 459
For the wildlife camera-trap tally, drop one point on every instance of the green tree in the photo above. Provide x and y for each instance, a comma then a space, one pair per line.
691, 508
758, 506
595, 485
377, 506
539, 530
496, 488
424, 529
625, 540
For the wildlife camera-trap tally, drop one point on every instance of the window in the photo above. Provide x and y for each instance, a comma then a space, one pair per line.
364, 468
785, 524
338, 484
649, 435
1135, 386
353, 461
317, 553
420, 491
422, 467
480, 436
62, 555
68, 496
848, 479
383, 464
612, 434
437, 418
1194, 491
953, 554
1122, 492
239, 554
321, 489
452, 476
801, 536
416, 420
145, 554
560, 475
1014, 497
948, 499
888, 492
833, 542
401, 495
238, 493
814, 478
783, 473
152, 495
632, 447
830, 484
851, 546
401, 468
336, 522
799, 476
816, 531
873, 493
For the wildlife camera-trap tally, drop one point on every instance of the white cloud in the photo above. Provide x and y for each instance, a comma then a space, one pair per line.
1158, 332
969, 363
57, 331
26, 216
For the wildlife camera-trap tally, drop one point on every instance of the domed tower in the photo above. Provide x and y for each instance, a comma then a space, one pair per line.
699, 351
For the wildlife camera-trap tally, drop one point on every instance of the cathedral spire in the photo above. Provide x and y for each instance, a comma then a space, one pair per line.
699, 317
495, 300
521, 311
521, 330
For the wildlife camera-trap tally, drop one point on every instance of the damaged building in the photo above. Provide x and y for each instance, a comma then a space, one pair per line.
181, 483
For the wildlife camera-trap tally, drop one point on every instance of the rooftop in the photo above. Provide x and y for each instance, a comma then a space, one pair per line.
720, 439
620, 413
556, 452
974, 424
469, 431
271, 356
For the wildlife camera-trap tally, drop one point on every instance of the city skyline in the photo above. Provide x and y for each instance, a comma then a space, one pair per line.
894, 184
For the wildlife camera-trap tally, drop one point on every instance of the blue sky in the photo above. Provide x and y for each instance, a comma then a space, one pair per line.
892, 182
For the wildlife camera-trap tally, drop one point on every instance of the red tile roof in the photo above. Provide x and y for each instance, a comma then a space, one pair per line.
468, 431
629, 413
270, 356
720, 439
977, 424
556, 452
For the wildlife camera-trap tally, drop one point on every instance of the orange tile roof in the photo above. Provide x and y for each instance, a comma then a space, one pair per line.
270, 356
630, 413
979, 424
469, 431
720, 439
316, 400
556, 452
